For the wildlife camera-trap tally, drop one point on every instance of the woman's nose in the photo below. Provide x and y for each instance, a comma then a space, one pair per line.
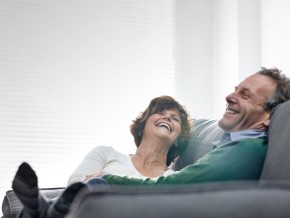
166, 116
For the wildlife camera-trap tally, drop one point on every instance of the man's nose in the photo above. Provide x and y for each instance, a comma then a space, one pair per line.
232, 98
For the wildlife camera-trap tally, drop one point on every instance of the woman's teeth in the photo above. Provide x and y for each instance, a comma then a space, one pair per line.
164, 125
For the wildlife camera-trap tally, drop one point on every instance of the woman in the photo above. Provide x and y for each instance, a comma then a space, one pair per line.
160, 134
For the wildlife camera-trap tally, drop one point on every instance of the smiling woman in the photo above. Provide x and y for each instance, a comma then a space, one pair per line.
160, 133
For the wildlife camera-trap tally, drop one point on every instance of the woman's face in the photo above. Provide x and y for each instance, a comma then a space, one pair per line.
165, 125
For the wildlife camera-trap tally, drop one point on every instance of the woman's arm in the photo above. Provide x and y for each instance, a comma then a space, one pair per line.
93, 163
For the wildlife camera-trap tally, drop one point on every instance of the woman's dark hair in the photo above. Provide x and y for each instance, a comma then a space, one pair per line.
157, 105
282, 92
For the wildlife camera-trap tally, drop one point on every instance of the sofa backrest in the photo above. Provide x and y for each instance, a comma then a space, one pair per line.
277, 162
202, 134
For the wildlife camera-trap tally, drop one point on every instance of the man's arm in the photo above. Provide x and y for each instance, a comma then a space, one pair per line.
237, 160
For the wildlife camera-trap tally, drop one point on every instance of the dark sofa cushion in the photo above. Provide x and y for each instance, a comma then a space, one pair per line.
239, 200
277, 162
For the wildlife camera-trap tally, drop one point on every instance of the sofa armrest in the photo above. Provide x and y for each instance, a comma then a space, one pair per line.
11, 205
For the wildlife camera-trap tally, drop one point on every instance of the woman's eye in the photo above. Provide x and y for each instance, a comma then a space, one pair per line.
176, 119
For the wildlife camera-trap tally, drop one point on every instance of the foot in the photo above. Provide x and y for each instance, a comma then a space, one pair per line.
25, 186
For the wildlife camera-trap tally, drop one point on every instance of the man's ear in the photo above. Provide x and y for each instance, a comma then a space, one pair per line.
266, 122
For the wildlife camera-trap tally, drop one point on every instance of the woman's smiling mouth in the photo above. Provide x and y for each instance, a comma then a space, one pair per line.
166, 125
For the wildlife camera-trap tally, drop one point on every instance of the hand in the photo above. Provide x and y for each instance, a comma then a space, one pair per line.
88, 177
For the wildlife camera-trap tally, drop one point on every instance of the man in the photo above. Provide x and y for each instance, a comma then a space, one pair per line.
241, 152
239, 156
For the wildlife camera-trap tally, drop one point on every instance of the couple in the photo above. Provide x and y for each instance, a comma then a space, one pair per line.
239, 155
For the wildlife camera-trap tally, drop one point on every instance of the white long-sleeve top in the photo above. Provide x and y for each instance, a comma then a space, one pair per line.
108, 160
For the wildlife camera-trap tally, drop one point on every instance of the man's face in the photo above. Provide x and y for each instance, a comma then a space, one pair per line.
245, 105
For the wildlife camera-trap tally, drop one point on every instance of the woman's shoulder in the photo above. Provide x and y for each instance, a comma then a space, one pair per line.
108, 150
103, 148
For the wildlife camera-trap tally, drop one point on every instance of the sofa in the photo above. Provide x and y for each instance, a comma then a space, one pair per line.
268, 197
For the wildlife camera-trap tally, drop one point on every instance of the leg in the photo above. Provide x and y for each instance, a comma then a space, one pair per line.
61, 206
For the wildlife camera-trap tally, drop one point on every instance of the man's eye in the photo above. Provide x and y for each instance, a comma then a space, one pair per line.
245, 95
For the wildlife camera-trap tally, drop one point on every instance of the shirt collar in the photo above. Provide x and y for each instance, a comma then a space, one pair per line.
249, 133
232, 136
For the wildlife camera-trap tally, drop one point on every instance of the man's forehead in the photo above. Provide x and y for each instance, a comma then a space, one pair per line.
248, 85
257, 82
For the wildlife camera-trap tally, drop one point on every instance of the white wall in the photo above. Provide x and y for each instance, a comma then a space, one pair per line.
275, 34
220, 42
194, 55
225, 52
236, 46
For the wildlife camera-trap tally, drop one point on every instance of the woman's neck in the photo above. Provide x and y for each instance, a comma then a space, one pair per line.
149, 162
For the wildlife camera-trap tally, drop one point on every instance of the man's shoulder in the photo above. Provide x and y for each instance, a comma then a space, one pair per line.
249, 141
246, 142
250, 145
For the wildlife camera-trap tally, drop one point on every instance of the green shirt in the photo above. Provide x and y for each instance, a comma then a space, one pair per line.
237, 160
